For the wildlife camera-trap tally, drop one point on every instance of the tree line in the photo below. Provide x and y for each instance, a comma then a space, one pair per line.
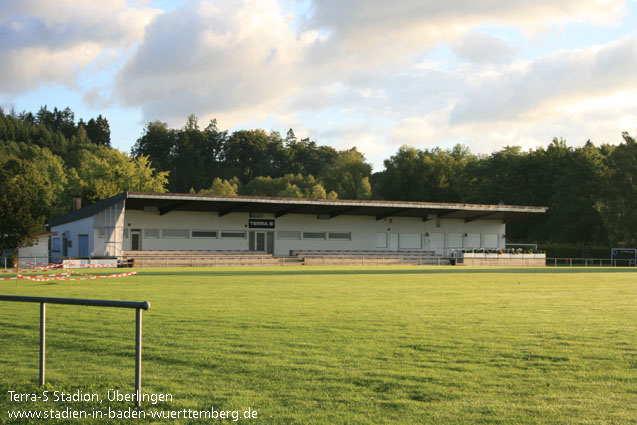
47, 158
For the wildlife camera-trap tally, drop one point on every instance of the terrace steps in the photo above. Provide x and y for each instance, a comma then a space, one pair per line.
173, 258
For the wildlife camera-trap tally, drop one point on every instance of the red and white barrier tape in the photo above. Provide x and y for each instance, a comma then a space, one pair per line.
44, 266
105, 276
88, 277
90, 266
66, 276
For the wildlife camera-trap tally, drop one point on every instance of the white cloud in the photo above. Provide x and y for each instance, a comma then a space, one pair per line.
481, 47
239, 57
563, 77
52, 42
370, 73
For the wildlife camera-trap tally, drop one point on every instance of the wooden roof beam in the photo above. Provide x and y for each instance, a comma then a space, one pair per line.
336, 213
231, 208
172, 207
285, 211
391, 213
479, 216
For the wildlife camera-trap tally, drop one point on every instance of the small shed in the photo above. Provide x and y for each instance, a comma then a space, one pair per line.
38, 252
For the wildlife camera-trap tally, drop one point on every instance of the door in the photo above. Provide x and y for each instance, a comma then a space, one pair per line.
393, 241
135, 240
270, 244
260, 236
437, 243
83, 245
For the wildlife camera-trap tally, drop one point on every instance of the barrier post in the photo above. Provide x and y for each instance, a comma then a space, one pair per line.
42, 343
138, 358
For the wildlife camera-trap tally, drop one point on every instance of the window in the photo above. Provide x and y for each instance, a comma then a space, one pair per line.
410, 240
233, 234
125, 233
454, 240
490, 240
151, 233
288, 234
313, 235
339, 236
473, 240
55, 244
381, 240
204, 233
175, 233
101, 233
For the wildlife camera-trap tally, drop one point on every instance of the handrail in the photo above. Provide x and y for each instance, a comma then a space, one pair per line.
144, 305
43, 301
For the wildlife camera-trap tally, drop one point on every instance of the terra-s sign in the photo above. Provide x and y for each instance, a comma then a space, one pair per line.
261, 223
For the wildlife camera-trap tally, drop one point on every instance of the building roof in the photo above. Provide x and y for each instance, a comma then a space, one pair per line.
46, 234
164, 203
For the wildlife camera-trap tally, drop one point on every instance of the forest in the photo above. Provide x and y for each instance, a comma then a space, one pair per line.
48, 157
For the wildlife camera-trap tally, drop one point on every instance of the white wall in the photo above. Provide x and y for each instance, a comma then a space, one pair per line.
191, 220
364, 231
73, 230
39, 251
108, 231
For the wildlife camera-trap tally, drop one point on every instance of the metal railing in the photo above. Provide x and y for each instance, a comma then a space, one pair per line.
139, 306
344, 259
588, 262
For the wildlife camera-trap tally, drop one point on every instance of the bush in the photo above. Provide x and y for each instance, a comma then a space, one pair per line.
566, 250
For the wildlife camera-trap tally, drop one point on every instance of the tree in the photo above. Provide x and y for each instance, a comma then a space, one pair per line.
106, 172
422, 175
252, 153
99, 131
618, 204
349, 175
195, 158
26, 199
288, 186
223, 187
158, 143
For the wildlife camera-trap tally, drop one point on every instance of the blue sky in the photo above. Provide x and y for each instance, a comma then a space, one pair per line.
366, 73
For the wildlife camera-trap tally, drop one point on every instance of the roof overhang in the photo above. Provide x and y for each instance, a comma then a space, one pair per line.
168, 203
329, 208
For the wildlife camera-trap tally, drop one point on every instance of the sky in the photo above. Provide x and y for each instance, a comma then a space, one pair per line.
367, 73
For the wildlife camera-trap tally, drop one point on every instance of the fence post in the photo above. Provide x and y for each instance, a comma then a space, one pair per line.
138, 358
42, 343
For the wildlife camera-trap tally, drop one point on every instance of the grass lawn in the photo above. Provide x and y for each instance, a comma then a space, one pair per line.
339, 345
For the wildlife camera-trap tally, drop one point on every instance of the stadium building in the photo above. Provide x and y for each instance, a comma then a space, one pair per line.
137, 222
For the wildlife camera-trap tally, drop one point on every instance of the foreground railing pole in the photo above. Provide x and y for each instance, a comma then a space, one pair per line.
42, 343
139, 306
138, 358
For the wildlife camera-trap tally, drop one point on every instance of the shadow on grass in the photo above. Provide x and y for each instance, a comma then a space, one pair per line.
243, 272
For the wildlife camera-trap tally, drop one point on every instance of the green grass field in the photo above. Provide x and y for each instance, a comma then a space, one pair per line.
340, 345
